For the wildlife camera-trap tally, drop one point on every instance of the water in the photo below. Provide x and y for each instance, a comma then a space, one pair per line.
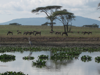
66, 67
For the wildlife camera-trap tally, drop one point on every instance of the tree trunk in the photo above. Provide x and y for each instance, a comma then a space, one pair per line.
64, 28
51, 25
67, 26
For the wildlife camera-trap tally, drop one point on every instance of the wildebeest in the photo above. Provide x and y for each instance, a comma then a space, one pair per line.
57, 32
85, 32
19, 32
25, 33
64, 33
89, 33
10, 32
38, 33
30, 33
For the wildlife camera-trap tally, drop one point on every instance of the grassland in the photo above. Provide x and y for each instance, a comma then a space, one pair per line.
45, 31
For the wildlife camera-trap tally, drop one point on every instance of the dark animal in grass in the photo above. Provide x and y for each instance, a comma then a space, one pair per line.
10, 32
37, 33
51, 32
34, 32
89, 33
85, 32
64, 33
19, 32
30, 33
57, 32
25, 33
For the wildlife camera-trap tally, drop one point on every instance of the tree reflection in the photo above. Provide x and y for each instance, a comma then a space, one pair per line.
57, 63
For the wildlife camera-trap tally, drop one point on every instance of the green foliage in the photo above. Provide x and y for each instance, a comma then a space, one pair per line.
26, 57
43, 57
97, 59
39, 63
14, 24
12, 73
86, 58
6, 58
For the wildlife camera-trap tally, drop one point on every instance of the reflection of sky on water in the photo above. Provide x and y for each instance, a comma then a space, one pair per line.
68, 67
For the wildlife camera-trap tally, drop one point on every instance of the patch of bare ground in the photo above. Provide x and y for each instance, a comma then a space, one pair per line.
52, 41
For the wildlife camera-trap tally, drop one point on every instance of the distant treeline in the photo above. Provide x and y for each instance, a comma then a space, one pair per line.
14, 24
92, 26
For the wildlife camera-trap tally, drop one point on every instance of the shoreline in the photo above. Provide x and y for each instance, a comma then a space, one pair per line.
51, 41
53, 44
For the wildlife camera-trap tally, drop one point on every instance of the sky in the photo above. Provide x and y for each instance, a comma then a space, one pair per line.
15, 9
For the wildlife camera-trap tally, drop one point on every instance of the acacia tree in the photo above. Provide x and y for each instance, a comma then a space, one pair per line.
65, 17
98, 6
48, 10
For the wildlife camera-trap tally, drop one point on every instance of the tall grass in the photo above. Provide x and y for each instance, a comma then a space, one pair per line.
46, 29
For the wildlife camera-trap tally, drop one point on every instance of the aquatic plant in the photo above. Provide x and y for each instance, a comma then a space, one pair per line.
12, 73
5, 57
86, 58
26, 57
39, 63
97, 59
53, 49
43, 57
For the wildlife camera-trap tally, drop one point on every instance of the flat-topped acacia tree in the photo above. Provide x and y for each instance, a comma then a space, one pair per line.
65, 17
98, 6
48, 10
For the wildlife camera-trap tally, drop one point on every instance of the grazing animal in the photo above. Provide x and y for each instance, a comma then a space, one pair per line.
30, 33
19, 32
10, 32
34, 32
57, 32
64, 33
38, 33
25, 33
89, 33
85, 32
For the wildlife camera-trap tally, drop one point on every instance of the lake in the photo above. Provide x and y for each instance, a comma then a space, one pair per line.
66, 67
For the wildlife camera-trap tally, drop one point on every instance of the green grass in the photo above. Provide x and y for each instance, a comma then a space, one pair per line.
45, 31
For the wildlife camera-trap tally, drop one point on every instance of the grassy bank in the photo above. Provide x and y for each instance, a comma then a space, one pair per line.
45, 31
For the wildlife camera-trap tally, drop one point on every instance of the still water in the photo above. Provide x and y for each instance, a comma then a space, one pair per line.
66, 67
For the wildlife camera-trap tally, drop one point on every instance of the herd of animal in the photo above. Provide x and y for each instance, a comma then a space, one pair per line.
25, 33
39, 32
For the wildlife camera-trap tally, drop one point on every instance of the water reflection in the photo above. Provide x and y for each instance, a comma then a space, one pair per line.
64, 67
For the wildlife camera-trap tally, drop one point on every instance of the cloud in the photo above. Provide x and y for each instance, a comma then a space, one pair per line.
22, 8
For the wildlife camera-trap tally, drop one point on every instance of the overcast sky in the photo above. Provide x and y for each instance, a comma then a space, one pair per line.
13, 9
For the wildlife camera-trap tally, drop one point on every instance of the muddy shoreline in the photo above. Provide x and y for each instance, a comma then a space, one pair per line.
51, 41
53, 44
